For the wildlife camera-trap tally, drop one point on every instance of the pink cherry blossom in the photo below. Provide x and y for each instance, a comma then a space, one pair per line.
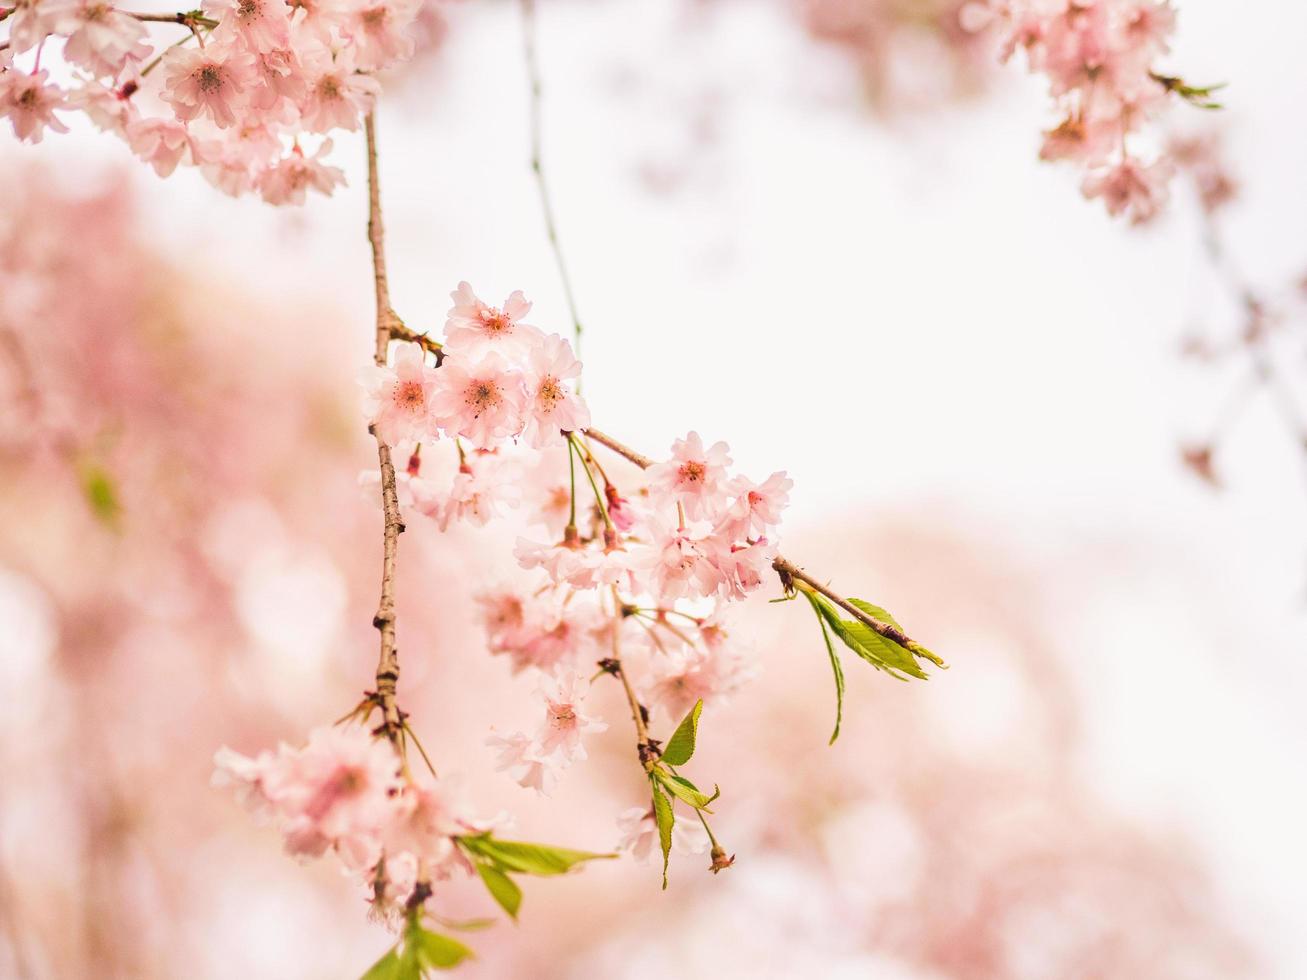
32, 21
379, 31
474, 328
620, 511
397, 398
261, 25
337, 96
519, 757
1131, 188
208, 81
284, 85
538, 631
1099, 58
483, 490
338, 791
107, 108
694, 476
503, 613
560, 561
317, 20
758, 506
553, 406
30, 104
600, 567
162, 143
1083, 140
247, 777
565, 721
553, 504
102, 39
744, 567
684, 675
426, 819
288, 180
232, 164
679, 561
481, 401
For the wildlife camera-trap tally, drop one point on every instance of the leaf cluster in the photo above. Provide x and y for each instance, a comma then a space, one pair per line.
899, 661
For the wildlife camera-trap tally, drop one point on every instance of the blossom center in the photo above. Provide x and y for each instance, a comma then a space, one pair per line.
483, 395
209, 78
346, 782
408, 395
495, 322
550, 393
564, 716
692, 472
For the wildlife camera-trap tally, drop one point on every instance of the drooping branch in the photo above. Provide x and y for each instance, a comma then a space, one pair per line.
187, 18
387, 321
538, 167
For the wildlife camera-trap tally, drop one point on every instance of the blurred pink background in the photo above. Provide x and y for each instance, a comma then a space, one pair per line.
818, 232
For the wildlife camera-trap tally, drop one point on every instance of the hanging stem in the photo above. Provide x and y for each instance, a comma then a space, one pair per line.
384, 620
538, 168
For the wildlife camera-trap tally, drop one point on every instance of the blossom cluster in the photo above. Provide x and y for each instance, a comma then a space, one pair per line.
238, 95
639, 574
343, 792
1100, 60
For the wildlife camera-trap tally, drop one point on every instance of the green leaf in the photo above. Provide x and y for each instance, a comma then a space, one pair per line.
876, 612
835, 666
878, 651
665, 819
101, 493
686, 791
388, 967
680, 748
502, 888
532, 859
433, 951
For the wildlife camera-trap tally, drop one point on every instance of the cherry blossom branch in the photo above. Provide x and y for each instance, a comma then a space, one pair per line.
537, 165
608, 442
786, 569
402, 333
387, 323
644, 745
187, 18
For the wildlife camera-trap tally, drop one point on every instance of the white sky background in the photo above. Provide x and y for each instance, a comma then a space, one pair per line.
914, 317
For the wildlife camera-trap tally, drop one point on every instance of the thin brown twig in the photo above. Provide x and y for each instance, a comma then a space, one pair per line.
538, 168
607, 441
402, 333
186, 18
387, 321
645, 747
